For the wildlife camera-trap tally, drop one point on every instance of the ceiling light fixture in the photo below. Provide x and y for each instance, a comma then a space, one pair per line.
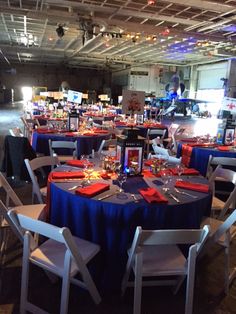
151, 2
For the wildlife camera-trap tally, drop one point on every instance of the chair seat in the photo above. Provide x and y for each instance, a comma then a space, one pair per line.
217, 204
64, 158
214, 225
163, 261
36, 211
51, 254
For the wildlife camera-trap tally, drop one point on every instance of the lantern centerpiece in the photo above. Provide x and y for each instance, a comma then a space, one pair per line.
130, 147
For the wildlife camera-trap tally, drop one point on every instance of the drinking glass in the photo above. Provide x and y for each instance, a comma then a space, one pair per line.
180, 170
121, 178
165, 175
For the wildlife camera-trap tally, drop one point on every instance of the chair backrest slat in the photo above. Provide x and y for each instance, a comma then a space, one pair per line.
225, 226
9, 191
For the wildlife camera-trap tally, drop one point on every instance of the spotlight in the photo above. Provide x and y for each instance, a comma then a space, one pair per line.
60, 31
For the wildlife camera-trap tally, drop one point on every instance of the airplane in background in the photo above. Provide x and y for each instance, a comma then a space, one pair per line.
174, 102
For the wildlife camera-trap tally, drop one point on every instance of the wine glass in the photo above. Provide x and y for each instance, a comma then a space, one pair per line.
121, 178
180, 170
165, 175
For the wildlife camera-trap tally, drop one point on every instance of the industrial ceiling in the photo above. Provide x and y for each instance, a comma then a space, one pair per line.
114, 34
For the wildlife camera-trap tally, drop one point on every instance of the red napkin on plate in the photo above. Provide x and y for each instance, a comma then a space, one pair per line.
152, 195
204, 188
93, 189
78, 163
186, 171
224, 148
67, 175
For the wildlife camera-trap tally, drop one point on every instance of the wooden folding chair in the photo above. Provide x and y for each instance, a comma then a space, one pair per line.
61, 254
155, 253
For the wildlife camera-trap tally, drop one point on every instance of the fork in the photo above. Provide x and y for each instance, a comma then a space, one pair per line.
185, 193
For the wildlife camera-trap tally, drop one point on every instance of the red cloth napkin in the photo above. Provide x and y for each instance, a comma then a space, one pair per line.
204, 188
152, 195
105, 176
79, 163
186, 171
89, 134
93, 189
67, 175
224, 148
120, 123
101, 131
45, 131
71, 134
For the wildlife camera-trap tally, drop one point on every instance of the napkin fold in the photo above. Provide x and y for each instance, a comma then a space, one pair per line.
152, 195
186, 171
204, 188
93, 189
79, 163
67, 175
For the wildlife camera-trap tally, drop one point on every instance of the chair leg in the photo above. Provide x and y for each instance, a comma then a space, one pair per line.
25, 277
190, 282
65, 285
138, 283
227, 267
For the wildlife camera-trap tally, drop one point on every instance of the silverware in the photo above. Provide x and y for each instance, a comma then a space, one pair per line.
106, 196
173, 197
134, 197
185, 193
75, 187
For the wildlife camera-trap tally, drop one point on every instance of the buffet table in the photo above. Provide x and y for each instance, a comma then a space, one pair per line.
111, 222
86, 143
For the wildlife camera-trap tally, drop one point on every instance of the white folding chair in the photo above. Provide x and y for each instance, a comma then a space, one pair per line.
107, 147
16, 132
222, 232
29, 125
171, 132
151, 134
61, 254
161, 151
34, 211
155, 253
38, 164
54, 146
223, 175
213, 162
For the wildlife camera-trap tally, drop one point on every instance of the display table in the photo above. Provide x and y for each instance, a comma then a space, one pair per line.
111, 222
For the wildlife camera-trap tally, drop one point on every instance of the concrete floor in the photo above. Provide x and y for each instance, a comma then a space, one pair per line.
209, 297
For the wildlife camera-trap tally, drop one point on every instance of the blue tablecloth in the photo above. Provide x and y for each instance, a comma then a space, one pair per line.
200, 156
85, 143
111, 223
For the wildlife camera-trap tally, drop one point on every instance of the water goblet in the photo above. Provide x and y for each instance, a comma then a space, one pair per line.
121, 178
165, 175
180, 170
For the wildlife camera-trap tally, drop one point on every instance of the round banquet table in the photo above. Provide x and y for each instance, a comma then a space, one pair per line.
85, 143
111, 222
200, 155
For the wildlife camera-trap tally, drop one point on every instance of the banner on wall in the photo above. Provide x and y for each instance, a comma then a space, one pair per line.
229, 104
133, 102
